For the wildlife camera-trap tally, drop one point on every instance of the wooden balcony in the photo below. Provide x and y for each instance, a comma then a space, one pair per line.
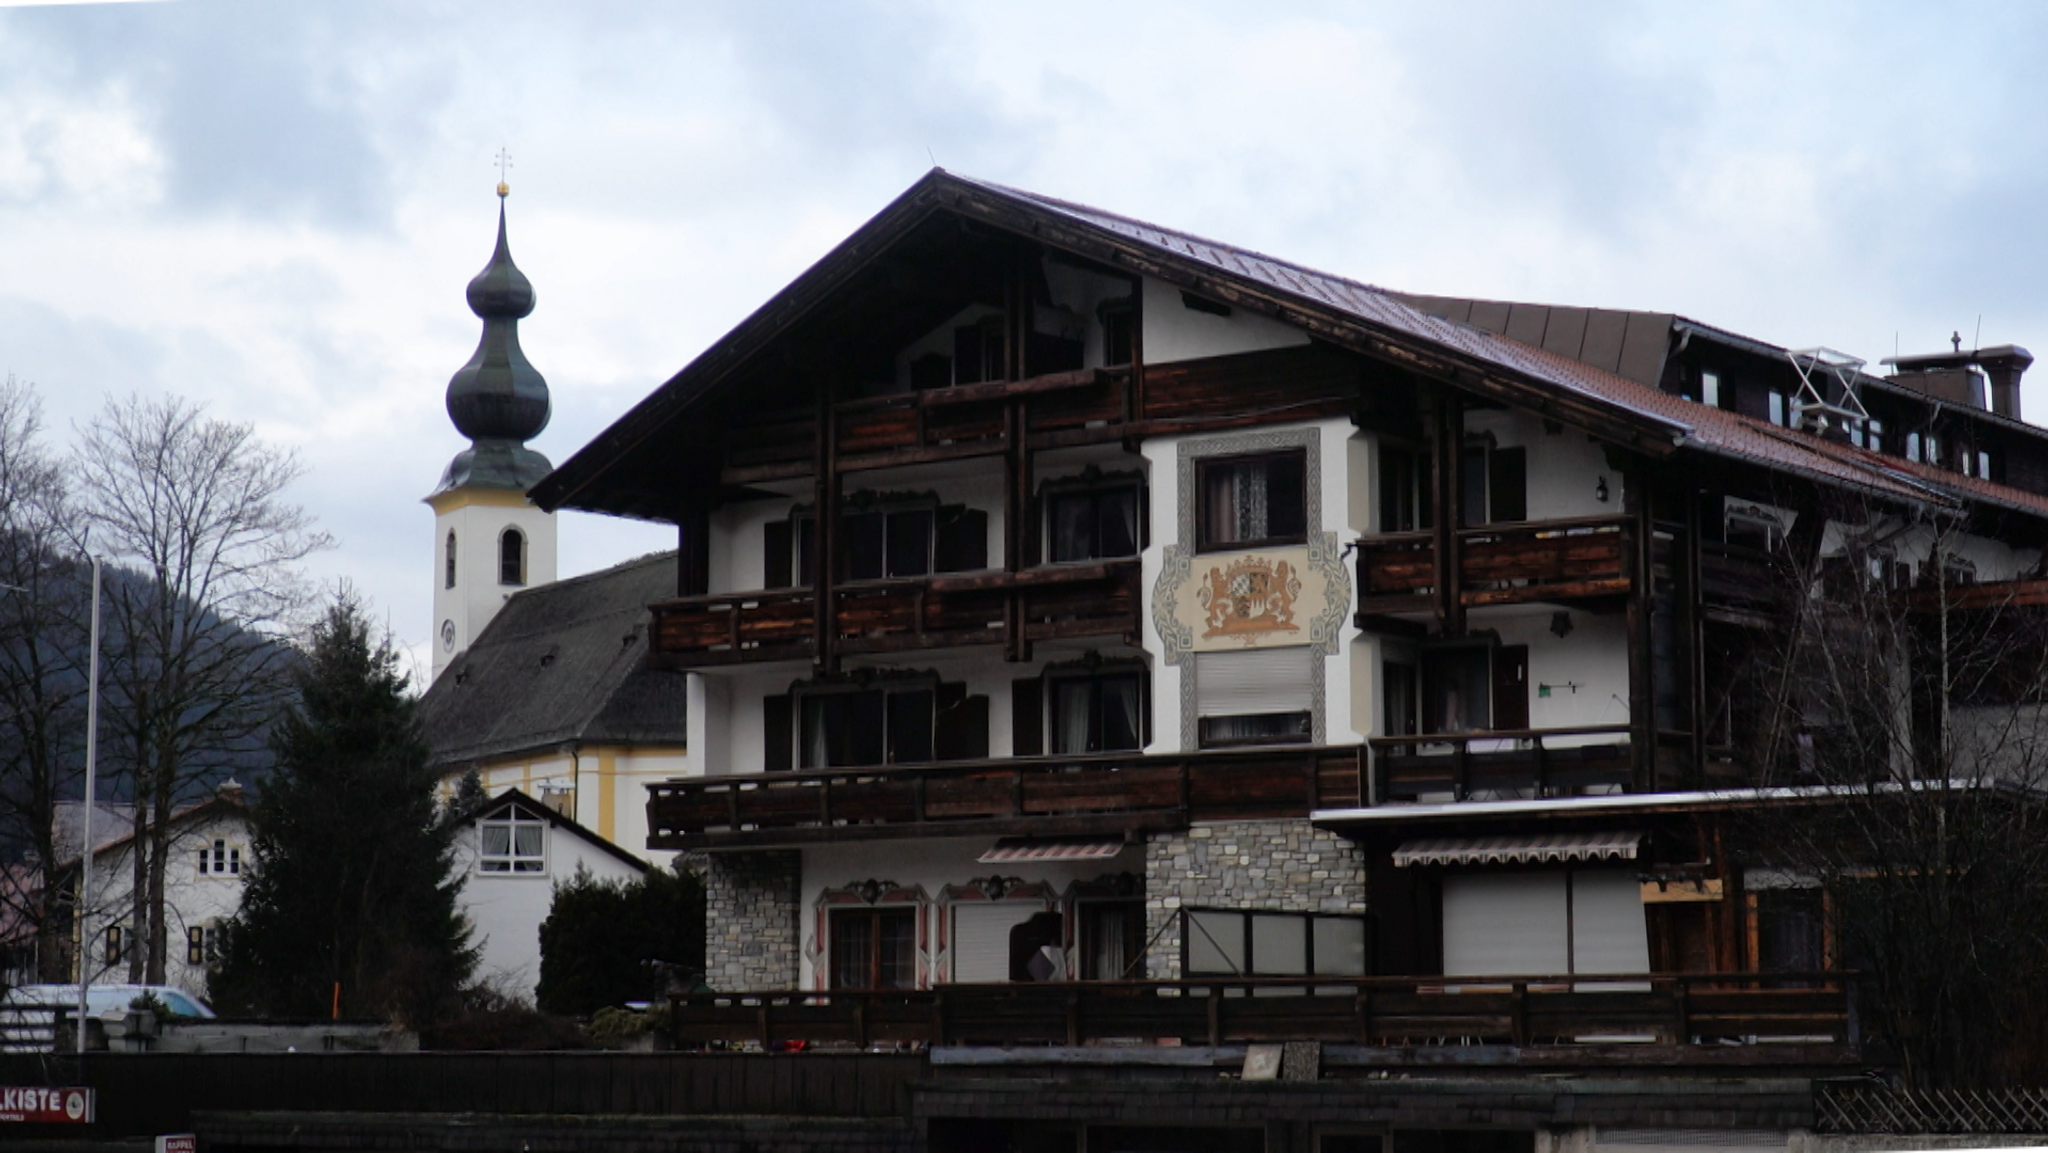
1743, 586
1563, 561
1099, 794
1647, 1019
1536, 761
1056, 601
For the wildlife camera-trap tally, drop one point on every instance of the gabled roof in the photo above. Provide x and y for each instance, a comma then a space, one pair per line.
1344, 312
223, 804
564, 663
517, 799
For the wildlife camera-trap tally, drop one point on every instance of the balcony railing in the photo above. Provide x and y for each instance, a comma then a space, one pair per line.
1744, 584
1098, 794
1537, 761
1551, 560
1653, 1014
1055, 601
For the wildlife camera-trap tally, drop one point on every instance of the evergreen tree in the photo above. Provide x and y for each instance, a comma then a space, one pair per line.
600, 935
352, 884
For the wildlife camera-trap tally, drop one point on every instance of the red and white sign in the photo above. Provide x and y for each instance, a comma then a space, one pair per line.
177, 1143
46, 1106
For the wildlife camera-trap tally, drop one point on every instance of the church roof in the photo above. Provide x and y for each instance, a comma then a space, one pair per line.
563, 664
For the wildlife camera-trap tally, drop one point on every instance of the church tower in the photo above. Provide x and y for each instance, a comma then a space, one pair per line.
489, 540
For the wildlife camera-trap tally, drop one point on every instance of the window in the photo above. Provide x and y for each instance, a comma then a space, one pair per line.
512, 557
1252, 500
978, 352
876, 543
1710, 388
874, 949
219, 860
1117, 345
512, 844
1092, 524
117, 944
1790, 931
1493, 485
1780, 411
1753, 528
1404, 490
202, 945
1261, 944
1112, 940
1257, 697
1398, 698
911, 720
449, 548
1097, 714
1456, 690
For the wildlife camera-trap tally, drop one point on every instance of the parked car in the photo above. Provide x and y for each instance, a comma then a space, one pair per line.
28, 1013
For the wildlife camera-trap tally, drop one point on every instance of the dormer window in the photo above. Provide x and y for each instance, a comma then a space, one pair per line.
512, 844
512, 557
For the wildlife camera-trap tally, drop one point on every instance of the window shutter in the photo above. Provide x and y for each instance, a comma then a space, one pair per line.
1027, 717
1509, 924
962, 540
981, 938
778, 732
1609, 933
776, 566
1511, 687
960, 733
1507, 479
1255, 681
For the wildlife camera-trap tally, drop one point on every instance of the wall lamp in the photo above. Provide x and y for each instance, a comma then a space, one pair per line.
1600, 490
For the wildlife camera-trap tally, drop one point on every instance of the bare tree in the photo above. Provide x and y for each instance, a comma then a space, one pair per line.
42, 681
195, 509
1910, 702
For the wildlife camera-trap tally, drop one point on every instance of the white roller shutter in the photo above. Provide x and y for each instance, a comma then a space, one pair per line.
1254, 681
981, 938
1608, 930
1511, 924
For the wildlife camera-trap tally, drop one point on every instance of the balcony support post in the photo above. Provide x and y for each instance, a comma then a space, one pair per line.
1637, 552
825, 549
693, 552
1446, 462
1693, 600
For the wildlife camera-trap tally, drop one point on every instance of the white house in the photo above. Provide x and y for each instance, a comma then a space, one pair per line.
513, 853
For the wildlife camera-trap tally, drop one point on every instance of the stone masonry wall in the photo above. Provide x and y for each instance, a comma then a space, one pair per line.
1283, 866
750, 920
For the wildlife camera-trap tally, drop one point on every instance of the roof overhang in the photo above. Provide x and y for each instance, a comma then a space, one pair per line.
1379, 816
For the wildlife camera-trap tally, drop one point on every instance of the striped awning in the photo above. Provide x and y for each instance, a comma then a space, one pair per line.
1010, 849
1507, 850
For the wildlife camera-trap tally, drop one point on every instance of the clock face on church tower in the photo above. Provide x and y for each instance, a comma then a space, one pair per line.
447, 636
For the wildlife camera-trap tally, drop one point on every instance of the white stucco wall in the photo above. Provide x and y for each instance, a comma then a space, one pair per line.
1173, 331
504, 910
191, 899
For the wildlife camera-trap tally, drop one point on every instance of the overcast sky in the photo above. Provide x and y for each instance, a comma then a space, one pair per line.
273, 207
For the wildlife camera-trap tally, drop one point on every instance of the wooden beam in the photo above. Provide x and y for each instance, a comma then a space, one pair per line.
1641, 575
1446, 467
1108, 824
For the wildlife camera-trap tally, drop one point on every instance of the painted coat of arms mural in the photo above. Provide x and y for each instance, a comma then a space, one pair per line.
1249, 598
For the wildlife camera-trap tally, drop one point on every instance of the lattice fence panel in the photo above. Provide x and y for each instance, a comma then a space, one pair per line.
1867, 1109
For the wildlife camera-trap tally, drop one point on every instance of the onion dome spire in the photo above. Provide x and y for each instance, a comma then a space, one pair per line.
498, 400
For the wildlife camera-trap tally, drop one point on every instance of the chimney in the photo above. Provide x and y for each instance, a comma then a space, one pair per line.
2005, 365
1955, 377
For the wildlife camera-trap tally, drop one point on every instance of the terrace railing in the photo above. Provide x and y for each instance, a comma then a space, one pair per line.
1504, 760
1059, 795
1054, 601
1650, 1013
1550, 560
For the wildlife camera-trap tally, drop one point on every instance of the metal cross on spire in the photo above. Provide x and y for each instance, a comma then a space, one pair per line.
504, 166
